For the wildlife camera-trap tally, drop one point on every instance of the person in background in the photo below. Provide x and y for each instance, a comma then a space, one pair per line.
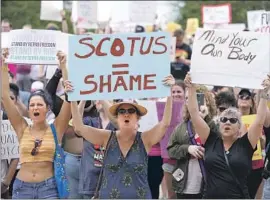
139, 29
246, 105
23, 79
228, 154
183, 54
218, 89
189, 173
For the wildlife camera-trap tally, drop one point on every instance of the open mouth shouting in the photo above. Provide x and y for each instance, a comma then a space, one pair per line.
36, 114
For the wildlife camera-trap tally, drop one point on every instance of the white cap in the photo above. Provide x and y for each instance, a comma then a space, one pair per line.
37, 85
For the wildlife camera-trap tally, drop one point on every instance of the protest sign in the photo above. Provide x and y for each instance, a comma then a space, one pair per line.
247, 121
119, 65
230, 58
143, 11
33, 47
85, 13
175, 121
259, 21
216, 14
192, 25
9, 141
236, 27
51, 10
173, 48
4, 40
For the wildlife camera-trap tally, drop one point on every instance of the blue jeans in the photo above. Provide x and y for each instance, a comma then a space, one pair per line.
43, 190
73, 171
266, 189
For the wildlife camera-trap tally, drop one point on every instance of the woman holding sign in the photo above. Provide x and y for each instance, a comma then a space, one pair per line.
36, 178
228, 155
124, 175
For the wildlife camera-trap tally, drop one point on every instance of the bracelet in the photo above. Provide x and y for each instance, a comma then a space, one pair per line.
66, 98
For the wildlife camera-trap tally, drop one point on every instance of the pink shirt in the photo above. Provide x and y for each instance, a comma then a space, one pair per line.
155, 151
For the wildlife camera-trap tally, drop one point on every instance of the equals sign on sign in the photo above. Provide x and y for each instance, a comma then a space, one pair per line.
121, 69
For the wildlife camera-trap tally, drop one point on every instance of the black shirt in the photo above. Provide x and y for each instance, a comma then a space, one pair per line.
220, 182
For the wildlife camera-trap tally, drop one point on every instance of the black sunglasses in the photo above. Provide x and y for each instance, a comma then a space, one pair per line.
221, 109
123, 111
244, 97
231, 120
35, 149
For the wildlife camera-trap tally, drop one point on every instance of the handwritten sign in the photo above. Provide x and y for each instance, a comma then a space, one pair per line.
247, 121
9, 141
216, 14
142, 11
119, 66
51, 10
192, 25
259, 21
235, 27
33, 47
85, 13
230, 58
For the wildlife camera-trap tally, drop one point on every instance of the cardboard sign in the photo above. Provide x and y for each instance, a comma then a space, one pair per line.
143, 11
192, 25
51, 10
85, 13
216, 14
247, 121
259, 21
230, 58
173, 48
119, 65
33, 47
9, 141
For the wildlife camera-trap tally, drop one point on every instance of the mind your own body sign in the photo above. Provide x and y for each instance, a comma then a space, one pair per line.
119, 66
230, 58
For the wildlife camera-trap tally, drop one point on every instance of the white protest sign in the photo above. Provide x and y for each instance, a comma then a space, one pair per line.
85, 13
4, 40
33, 47
216, 14
9, 141
254, 19
143, 11
51, 10
237, 26
230, 58
173, 48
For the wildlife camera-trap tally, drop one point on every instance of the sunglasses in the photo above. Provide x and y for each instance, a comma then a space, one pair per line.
231, 120
244, 97
126, 111
37, 145
221, 109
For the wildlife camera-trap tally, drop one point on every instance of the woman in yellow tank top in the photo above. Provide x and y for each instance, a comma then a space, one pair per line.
35, 179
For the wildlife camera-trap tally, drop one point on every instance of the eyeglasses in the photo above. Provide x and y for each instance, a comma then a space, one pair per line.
126, 111
244, 97
37, 145
231, 120
221, 109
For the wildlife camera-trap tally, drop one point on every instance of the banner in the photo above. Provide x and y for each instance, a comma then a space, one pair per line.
216, 14
247, 121
230, 58
192, 25
85, 13
9, 141
119, 65
259, 21
143, 11
34, 47
51, 10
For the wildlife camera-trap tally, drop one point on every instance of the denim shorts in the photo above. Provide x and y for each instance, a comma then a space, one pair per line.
43, 190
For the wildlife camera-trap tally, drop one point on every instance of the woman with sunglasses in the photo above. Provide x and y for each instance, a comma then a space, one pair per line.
35, 179
124, 174
228, 155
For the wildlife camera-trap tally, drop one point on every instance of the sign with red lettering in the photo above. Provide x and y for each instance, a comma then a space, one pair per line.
119, 65
230, 58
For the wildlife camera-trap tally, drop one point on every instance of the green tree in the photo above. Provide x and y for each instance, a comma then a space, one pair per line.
192, 9
20, 13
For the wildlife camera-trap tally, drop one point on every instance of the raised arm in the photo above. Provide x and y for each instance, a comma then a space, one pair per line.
106, 105
91, 134
256, 127
16, 119
64, 22
62, 120
154, 135
198, 122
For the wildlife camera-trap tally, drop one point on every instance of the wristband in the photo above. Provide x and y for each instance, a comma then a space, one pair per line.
66, 98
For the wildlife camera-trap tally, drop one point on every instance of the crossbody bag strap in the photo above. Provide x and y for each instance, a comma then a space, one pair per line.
102, 168
233, 175
193, 141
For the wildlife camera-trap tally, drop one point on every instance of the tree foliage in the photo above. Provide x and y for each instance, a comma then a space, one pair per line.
20, 13
192, 9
